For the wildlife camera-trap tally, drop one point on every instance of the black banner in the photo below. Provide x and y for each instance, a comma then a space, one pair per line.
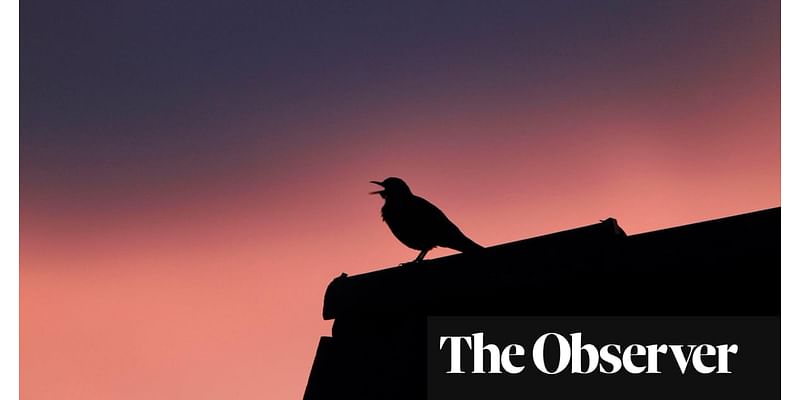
603, 357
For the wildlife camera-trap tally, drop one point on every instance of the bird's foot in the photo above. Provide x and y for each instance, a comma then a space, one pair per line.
411, 263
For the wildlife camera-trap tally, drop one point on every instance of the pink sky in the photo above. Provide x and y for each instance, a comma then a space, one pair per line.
202, 276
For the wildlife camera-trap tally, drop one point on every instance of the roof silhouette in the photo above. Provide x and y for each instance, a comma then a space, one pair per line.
727, 266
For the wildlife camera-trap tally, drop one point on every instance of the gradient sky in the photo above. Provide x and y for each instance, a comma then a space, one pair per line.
194, 173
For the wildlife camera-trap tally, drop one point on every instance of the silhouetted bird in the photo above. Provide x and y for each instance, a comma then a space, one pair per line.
416, 222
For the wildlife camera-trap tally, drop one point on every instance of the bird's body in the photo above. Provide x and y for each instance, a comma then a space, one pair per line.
417, 223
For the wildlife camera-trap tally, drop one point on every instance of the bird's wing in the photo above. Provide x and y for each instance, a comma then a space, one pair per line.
444, 231
439, 227
432, 214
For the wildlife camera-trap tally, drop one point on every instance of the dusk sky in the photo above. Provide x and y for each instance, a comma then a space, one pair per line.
194, 173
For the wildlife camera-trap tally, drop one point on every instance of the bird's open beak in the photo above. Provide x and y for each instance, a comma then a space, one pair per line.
377, 191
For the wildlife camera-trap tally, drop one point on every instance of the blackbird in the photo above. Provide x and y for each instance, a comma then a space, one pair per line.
416, 222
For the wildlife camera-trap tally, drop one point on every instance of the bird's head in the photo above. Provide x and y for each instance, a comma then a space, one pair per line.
392, 187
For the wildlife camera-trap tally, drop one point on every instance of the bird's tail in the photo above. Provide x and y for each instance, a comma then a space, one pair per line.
465, 245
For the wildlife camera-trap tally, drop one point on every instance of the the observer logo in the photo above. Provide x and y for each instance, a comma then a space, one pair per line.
572, 355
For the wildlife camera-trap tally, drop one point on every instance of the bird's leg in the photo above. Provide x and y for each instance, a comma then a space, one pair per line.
416, 260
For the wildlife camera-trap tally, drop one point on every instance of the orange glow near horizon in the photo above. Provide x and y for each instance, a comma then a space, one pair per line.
225, 293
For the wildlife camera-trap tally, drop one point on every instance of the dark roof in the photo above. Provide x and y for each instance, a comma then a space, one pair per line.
728, 266
532, 276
